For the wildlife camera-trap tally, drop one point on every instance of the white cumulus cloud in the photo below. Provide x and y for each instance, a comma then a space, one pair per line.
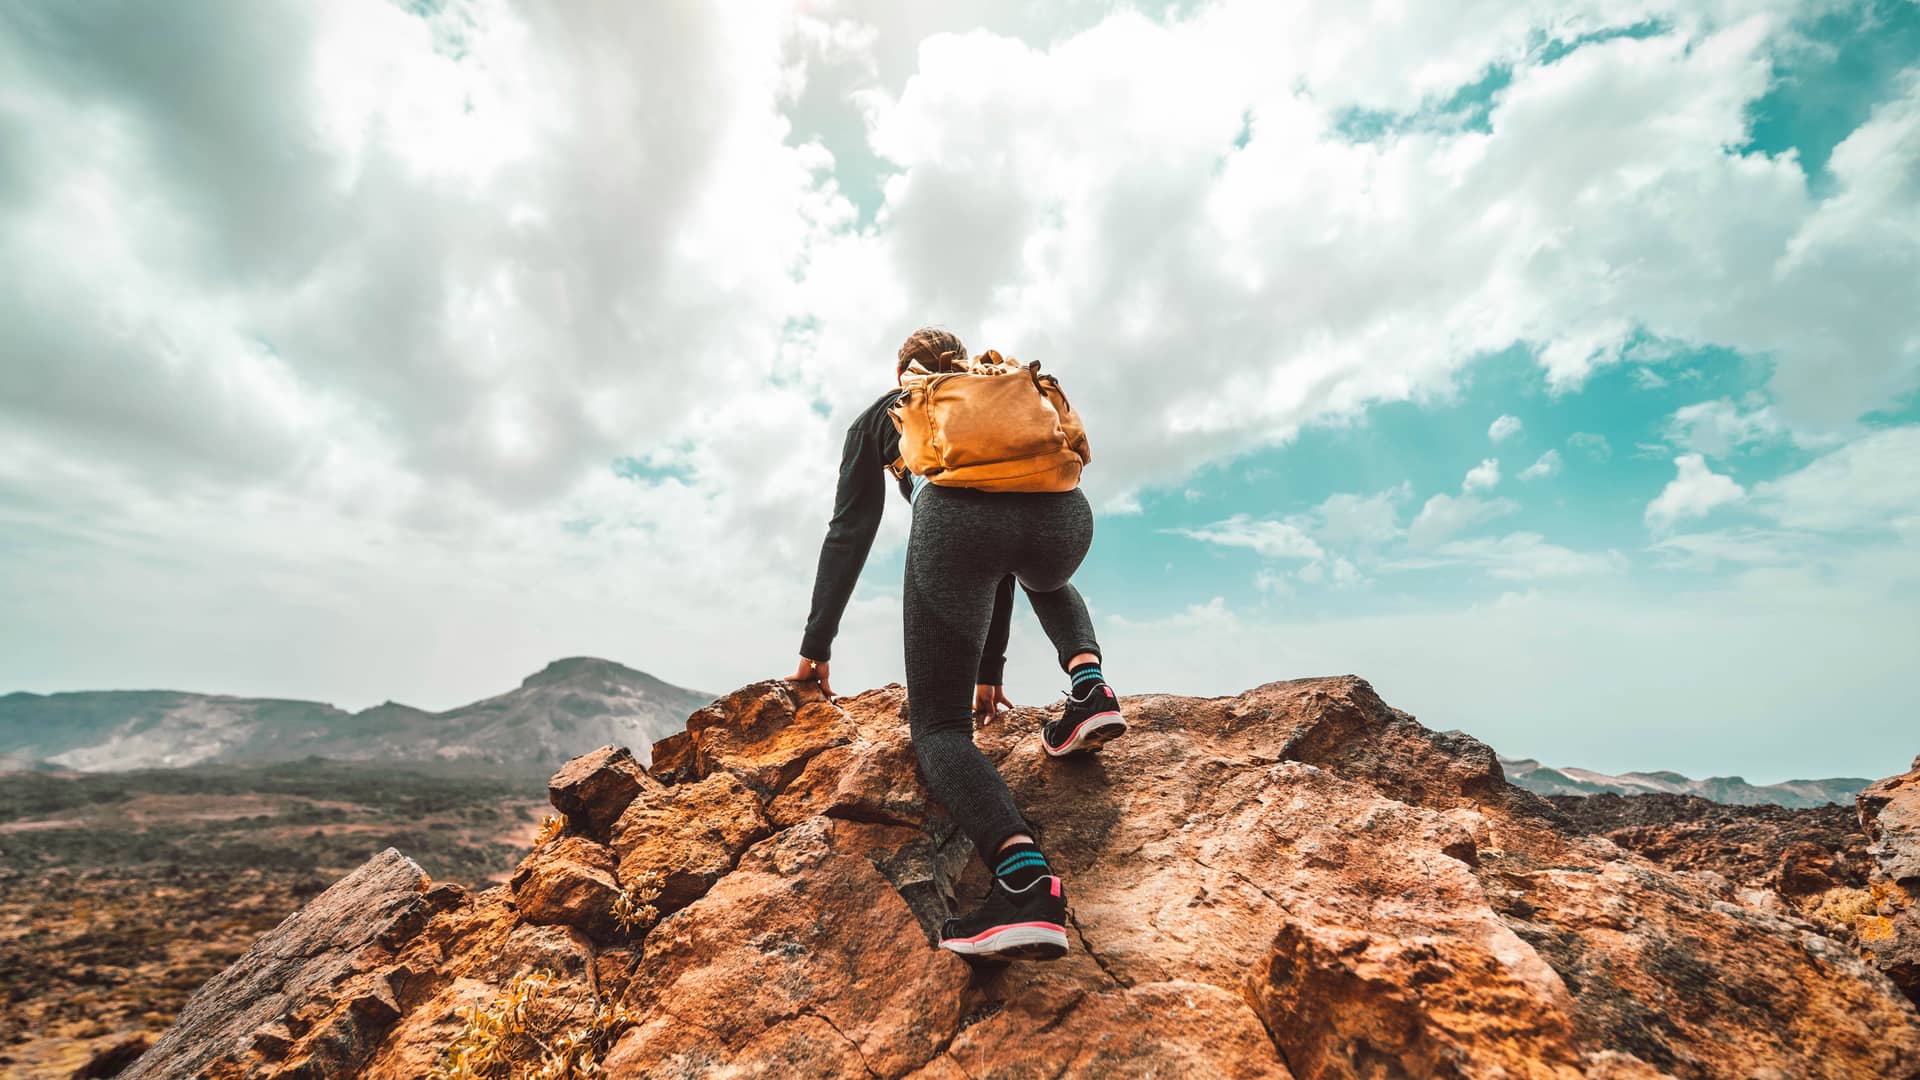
1503, 428
1695, 492
1352, 520
1482, 477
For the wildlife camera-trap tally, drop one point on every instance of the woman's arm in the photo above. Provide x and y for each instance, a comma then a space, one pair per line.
859, 500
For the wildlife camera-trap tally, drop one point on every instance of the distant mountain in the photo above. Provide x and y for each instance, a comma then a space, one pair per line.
1538, 778
567, 708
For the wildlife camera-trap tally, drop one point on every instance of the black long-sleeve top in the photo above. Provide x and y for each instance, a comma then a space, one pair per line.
858, 502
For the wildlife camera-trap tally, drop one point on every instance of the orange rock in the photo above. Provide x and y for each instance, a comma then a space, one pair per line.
493, 948
689, 834
807, 926
612, 969
865, 780
763, 734
1160, 1029
592, 789
805, 1046
569, 882
1807, 869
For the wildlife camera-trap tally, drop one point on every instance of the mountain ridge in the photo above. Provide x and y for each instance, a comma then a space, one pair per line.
568, 706
1547, 780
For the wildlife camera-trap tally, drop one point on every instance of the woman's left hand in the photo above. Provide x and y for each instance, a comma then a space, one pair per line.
987, 700
813, 671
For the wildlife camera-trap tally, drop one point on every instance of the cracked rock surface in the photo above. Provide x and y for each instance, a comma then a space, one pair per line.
1890, 814
1298, 881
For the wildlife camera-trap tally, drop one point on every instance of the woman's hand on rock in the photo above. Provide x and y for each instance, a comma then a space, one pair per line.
987, 700
813, 671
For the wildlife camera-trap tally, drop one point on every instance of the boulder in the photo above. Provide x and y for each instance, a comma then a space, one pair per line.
763, 734
1808, 869
689, 835
313, 993
592, 789
569, 883
805, 926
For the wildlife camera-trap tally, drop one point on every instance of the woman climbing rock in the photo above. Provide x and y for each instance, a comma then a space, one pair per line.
990, 467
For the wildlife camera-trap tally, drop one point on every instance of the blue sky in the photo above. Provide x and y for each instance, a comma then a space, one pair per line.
1612, 443
1553, 365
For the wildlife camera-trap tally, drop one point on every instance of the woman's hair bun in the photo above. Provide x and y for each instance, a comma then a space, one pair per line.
935, 348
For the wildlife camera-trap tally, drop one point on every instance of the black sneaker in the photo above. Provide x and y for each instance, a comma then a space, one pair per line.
1029, 924
1089, 723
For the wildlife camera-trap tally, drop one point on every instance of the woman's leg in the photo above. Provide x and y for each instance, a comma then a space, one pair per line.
1057, 539
951, 576
1063, 615
956, 559
1054, 542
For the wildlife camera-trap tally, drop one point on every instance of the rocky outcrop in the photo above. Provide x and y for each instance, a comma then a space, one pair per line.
1298, 881
1890, 929
315, 989
1798, 853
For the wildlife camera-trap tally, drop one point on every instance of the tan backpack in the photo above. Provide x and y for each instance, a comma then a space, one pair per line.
997, 425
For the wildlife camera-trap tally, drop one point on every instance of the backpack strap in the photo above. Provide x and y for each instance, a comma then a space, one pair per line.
898, 466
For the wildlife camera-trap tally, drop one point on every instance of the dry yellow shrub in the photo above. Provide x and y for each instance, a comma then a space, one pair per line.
633, 909
525, 1034
1854, 911
550, 827
1837, 908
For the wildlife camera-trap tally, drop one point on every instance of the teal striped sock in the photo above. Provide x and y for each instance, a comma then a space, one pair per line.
1085, 675
1020, 865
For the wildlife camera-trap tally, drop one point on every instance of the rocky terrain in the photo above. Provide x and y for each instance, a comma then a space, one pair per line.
1297, 881
121, 893
1542, 780
567, 708
1797, 853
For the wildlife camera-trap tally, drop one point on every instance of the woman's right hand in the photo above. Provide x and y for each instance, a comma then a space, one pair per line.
813, 671
987, 700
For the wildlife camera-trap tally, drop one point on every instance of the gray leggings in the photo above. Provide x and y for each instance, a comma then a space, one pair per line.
964, 542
